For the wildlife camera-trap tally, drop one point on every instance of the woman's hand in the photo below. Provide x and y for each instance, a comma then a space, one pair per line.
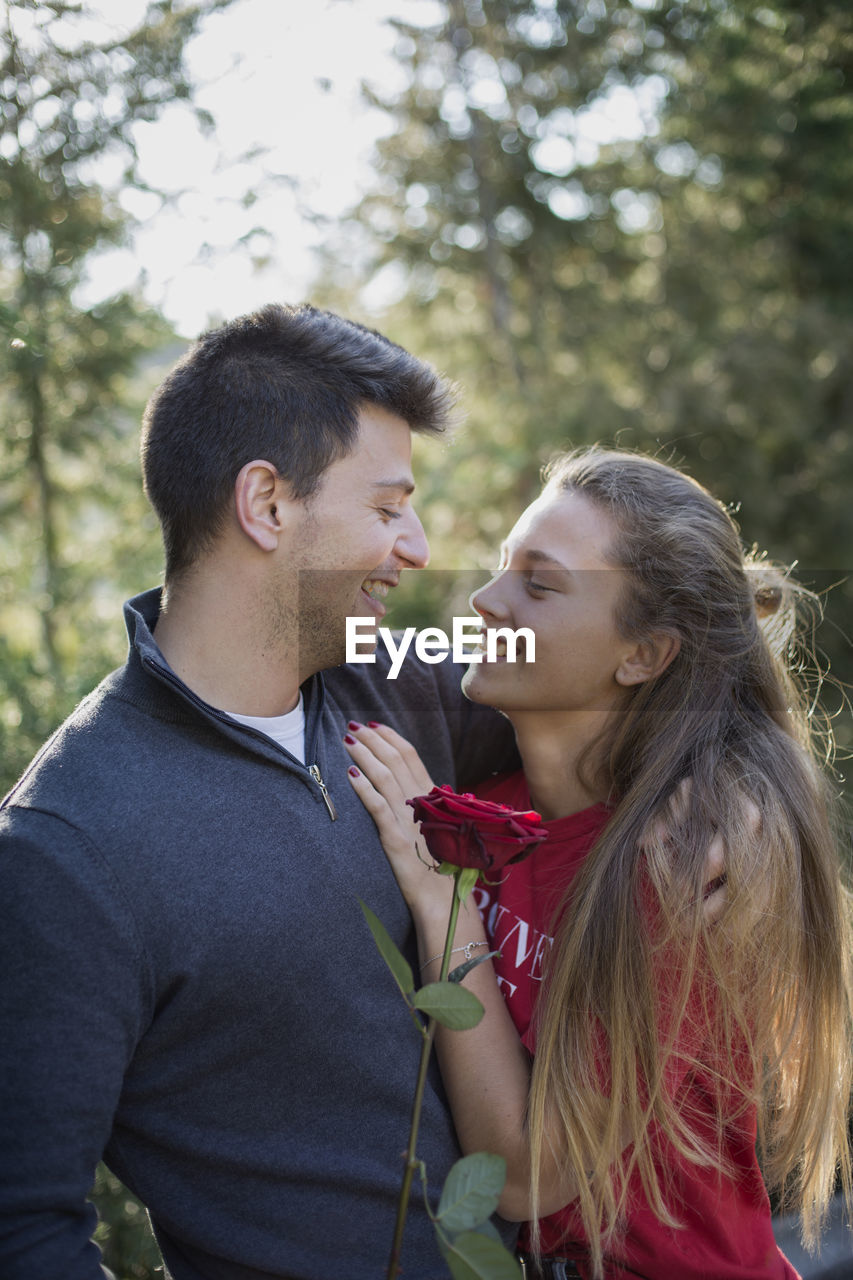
715, 896
486, 1069
387, 771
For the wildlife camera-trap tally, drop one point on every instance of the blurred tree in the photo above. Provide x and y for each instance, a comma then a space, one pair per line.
124, 1233
70, 106
629, 222
74, 528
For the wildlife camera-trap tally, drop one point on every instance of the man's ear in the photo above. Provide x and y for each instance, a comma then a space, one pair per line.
261, 503
648, 659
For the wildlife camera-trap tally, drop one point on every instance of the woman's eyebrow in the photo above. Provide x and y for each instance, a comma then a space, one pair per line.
542, 557
404, 485
534, 556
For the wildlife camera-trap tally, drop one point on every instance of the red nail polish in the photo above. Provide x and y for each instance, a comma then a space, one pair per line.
373, 724
353, 771
353, 724
349, 739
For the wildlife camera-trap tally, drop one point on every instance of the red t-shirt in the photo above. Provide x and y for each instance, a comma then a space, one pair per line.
727, 1232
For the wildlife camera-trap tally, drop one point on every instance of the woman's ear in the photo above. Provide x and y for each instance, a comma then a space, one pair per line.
648, 659
261, 503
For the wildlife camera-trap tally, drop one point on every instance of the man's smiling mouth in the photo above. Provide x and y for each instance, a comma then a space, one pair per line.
376, 588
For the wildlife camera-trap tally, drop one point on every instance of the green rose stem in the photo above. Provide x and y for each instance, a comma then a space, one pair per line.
428, 1034
479, 836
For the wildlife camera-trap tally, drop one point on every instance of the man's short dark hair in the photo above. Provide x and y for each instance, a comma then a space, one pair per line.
285, 384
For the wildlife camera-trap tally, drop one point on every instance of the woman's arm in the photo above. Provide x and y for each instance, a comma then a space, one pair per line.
486, 1070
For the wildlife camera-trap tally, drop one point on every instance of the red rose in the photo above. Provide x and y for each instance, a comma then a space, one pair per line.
468, 832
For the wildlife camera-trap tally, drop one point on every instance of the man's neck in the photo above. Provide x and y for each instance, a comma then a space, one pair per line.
208, 633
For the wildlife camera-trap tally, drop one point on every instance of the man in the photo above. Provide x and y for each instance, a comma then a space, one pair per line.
190, 989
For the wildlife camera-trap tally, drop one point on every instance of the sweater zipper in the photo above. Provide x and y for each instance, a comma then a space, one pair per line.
314, 770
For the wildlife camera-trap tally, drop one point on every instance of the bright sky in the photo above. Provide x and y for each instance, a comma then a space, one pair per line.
282, 75
282, 78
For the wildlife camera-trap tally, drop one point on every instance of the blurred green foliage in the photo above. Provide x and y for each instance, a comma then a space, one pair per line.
73, 525
629, 223
76, 535
626, 222
124, 1232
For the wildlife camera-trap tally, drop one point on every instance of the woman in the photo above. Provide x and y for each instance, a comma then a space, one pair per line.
654, 723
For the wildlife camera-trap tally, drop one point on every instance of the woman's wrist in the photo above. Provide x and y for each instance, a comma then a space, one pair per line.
432, 918
431, 921
465, 951
431, 909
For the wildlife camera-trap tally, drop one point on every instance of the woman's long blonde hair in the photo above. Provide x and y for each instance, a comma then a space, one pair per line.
767, 985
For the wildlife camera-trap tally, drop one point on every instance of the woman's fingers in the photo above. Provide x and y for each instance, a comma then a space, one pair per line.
388, 778
715, 895
395, 751
384, 782
394, 837
398, 832
390, 761
408, 755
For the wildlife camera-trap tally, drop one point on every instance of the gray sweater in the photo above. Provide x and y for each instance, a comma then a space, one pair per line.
190, 991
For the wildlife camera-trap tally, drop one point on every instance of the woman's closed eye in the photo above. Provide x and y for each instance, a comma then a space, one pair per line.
534, 585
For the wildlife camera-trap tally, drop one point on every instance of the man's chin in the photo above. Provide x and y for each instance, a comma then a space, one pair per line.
326, 649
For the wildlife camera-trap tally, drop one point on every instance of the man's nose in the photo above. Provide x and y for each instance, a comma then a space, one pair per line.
411, 545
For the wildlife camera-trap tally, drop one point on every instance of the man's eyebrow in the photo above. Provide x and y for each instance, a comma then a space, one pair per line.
405, 484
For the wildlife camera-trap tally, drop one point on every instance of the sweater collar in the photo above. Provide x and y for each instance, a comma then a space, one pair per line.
140, 615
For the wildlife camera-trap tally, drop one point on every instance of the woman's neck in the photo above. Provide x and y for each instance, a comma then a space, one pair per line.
551, 748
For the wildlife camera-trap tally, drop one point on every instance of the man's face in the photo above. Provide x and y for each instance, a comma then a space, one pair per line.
356, 534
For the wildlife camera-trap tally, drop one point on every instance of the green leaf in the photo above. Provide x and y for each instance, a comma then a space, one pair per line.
473, 1256
390, 952
489, 1229
449, 1004
462, 970
471, 1191
447, 869
465, 882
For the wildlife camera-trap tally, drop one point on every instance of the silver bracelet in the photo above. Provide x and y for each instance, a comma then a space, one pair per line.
468, 948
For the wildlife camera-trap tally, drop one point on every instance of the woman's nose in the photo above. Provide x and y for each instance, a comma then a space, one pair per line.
489, 599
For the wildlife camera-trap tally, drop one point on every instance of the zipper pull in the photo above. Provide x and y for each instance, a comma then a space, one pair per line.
314, 770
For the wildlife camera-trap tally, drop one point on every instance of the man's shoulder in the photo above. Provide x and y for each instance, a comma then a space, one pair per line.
401, 684
425, 703
86, 745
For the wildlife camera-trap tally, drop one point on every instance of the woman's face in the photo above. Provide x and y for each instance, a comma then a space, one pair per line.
555, 579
